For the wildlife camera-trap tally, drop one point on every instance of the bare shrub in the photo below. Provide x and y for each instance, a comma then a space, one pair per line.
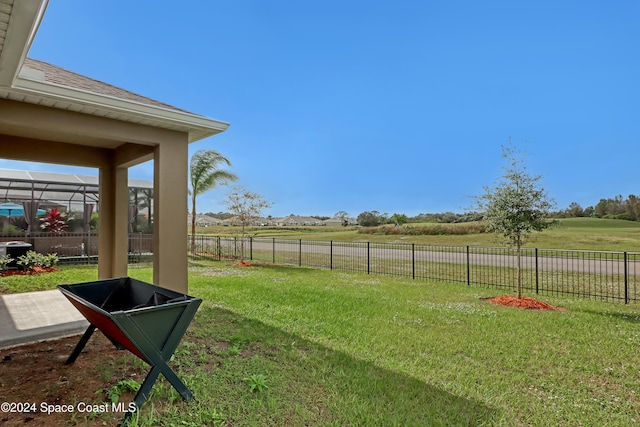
427, 230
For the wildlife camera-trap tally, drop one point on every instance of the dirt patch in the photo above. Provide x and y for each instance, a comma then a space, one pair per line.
34, 376
524, 302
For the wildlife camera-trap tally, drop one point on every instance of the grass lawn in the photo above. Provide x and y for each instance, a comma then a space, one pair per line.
41, 282
280, 346
572, 233
351, 349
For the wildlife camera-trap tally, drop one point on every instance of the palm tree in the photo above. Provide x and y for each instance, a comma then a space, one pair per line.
205, 174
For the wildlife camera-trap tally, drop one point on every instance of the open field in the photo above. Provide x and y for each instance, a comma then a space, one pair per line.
275, 345
572, 233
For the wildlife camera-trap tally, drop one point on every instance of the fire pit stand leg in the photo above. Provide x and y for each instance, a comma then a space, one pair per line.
151, 378
80, 346
146, 387
157, 358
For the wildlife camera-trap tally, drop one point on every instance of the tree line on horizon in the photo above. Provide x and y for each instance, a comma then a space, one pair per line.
618, 207
611, 208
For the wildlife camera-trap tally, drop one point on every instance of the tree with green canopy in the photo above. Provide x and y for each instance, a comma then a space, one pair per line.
517, 206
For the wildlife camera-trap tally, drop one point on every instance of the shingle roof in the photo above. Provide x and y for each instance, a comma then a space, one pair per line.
5, 14
60, 76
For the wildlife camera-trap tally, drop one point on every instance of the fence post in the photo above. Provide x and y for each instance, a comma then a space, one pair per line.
626, 280
368, 257
537, 283
468, 268
300, 254
413, 261
273, 250
331, 255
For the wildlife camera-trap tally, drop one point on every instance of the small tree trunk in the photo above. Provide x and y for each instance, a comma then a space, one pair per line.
519, 270
242, 244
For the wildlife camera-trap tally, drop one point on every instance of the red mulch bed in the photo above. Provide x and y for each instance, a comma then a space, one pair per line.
243, 264
524, 302
35, 270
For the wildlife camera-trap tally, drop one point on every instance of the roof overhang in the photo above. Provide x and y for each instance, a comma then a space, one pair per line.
19, 22
20, 83
29, 90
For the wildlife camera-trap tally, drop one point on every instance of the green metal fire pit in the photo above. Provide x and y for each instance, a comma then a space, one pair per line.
145, 319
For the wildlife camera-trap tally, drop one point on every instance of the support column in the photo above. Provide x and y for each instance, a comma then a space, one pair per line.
113, 235
170, 266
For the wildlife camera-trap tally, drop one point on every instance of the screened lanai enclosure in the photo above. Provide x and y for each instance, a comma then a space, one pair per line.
30, 195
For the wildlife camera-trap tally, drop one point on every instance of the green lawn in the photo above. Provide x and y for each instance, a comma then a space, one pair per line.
41, 282
339, 349
280, 346
572, 233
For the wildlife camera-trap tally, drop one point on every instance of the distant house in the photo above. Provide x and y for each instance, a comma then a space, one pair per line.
204, 221
287, 220
259, 222
256, 222
269, 221
339, 221
333, 222
295, 220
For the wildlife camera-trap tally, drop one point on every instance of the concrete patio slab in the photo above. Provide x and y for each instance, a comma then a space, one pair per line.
36, 316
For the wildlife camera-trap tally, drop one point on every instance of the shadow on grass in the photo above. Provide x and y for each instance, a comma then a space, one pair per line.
628, 317
309, 384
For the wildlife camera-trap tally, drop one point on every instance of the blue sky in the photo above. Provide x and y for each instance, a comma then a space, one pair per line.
376, 105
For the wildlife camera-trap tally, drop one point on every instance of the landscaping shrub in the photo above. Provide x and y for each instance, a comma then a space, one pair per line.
12, 230
5, 260
29, 261
54, 221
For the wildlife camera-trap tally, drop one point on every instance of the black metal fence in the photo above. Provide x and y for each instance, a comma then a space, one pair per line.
611, 276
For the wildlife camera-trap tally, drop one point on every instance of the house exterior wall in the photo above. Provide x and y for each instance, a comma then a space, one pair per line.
113, 223
170, 265
35, 133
